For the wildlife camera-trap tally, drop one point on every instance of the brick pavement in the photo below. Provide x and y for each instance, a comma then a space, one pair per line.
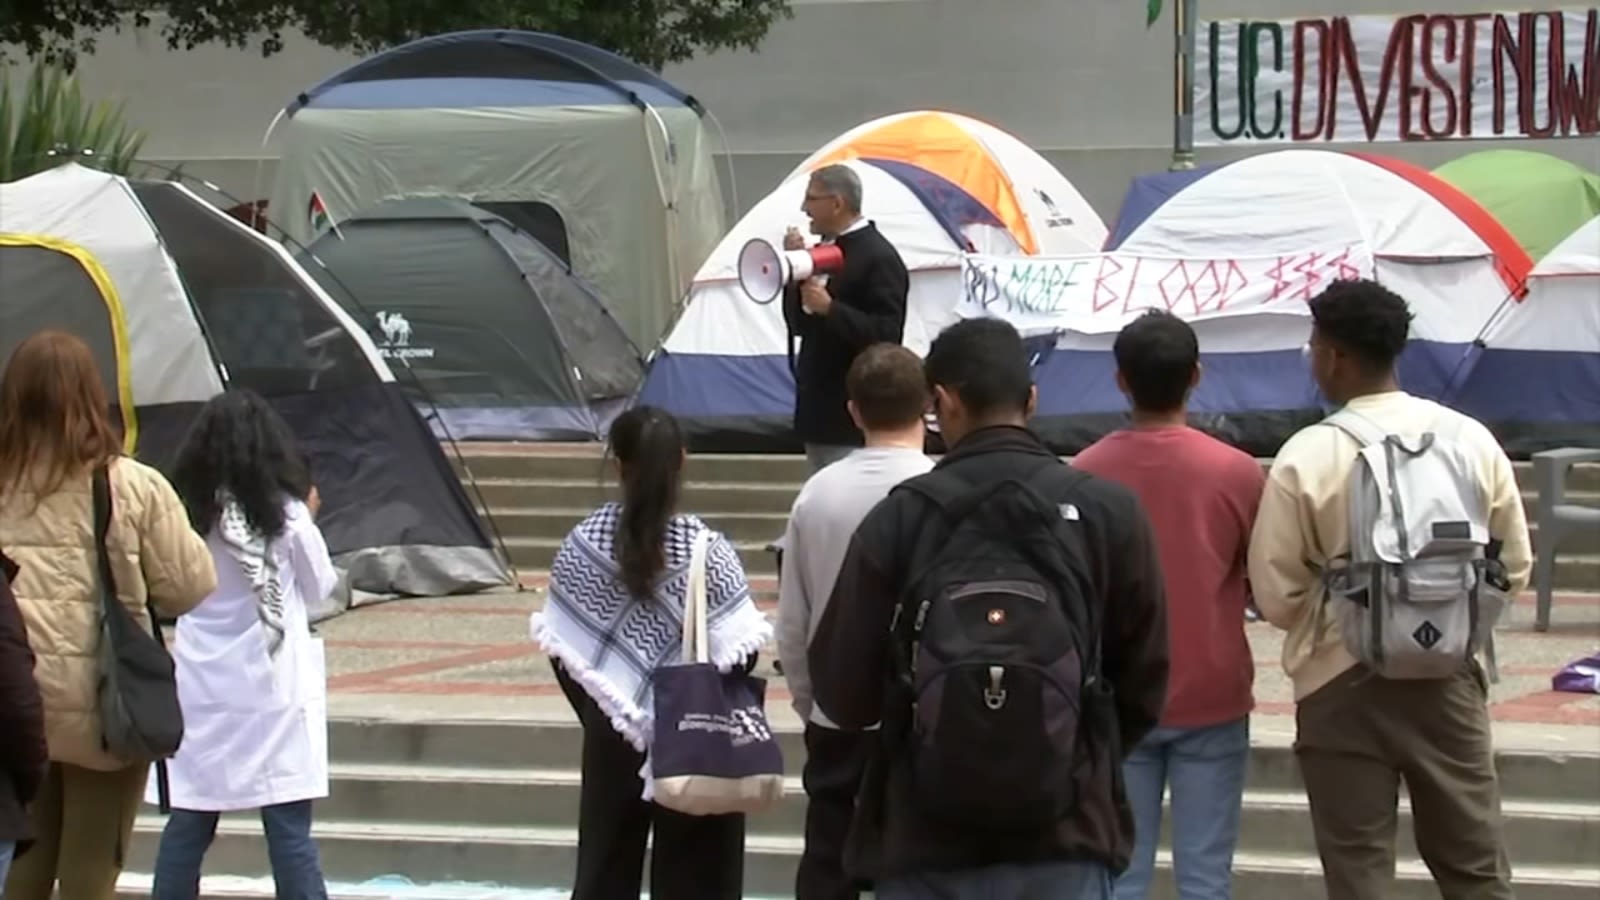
476, 647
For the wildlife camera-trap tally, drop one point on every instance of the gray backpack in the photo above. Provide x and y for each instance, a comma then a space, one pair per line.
1412, 600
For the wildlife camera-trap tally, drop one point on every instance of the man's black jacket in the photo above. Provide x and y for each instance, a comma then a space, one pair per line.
850, 666
869, 307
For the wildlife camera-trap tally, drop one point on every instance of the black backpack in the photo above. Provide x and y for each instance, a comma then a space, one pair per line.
997, 640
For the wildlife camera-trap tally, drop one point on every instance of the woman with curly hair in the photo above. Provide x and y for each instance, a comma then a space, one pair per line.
251, 677
57, 439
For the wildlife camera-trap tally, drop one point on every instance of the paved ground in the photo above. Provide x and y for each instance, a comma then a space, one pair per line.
471, 657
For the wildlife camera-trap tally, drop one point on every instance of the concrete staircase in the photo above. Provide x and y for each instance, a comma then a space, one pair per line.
497, 802
536, 499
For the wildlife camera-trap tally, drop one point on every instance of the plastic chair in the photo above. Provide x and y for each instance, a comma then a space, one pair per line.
1556, 520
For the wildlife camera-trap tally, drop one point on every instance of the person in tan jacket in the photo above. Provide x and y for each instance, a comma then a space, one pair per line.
1359, 735
55, 430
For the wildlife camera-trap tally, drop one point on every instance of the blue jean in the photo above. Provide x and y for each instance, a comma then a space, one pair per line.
1205, 768
7, 850
1031, 881
296, 865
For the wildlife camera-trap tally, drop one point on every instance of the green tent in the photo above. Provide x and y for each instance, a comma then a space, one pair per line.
1539, 198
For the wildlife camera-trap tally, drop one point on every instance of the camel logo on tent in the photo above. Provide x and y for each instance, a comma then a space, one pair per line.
397, 338
1054, 217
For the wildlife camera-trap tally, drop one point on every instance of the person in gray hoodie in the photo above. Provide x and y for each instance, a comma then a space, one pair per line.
887, 399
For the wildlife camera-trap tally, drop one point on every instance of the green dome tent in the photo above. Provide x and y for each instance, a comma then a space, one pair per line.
1539, 198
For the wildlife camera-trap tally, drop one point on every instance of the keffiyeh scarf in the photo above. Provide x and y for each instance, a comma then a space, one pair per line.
254, 555
611, 644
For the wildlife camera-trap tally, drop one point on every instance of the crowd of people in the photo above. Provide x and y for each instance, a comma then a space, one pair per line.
1005, 663
229, 548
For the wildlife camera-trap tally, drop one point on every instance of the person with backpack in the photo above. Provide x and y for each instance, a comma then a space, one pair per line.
1003, 617
1389, 538
1202, 496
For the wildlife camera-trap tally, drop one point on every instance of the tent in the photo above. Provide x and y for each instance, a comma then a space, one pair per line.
1434, 245
178, 299
601, 160
1537, 379
1539, 198
505, 343
1040, 211
724, 369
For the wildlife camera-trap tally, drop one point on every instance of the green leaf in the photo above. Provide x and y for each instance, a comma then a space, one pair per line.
1152, 12
52, 123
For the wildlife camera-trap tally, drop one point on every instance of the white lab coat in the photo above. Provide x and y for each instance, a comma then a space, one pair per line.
255, 728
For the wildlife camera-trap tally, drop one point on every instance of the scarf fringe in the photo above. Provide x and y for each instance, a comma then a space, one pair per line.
633, 723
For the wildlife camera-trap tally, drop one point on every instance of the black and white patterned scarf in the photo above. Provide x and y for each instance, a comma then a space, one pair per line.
611, 644
254, 555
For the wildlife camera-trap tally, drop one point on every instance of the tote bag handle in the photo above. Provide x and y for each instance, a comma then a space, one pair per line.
696, 640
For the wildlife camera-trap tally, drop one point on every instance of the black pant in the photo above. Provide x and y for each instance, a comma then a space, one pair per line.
692, 857
835, 761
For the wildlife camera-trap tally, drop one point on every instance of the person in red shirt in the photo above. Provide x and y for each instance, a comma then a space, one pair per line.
1201, 496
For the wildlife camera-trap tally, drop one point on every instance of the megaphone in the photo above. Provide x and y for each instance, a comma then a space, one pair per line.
764, 270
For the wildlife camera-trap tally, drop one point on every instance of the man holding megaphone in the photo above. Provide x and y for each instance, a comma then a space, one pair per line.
836, 316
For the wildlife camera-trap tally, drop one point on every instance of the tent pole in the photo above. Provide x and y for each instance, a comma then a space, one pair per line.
1184, 20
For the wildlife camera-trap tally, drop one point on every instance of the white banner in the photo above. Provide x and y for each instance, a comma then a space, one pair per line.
1099, 294
1422, 77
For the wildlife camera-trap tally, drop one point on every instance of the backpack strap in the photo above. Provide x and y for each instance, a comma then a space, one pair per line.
1362, 429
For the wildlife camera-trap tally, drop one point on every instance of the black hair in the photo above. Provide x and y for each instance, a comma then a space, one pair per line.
649, 444
1364, 319
1157, 354
239, 444
983, 362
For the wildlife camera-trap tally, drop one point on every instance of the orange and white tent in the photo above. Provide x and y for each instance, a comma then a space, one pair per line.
1042, 213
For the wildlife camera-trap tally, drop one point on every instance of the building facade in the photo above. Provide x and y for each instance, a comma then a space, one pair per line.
1083, 81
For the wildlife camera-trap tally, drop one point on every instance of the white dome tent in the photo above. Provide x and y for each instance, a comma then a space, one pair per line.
178, 300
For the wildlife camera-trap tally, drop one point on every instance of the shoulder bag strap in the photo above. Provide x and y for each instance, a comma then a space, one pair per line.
696, 639
109, 603
102, 528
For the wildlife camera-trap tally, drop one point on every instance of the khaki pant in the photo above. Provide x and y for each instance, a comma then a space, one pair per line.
83, 820
1359, 737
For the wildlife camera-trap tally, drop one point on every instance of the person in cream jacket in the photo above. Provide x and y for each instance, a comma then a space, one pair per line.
1359, 735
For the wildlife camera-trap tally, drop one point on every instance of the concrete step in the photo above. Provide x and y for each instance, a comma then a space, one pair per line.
701, 497
586, 463
535, 856
1274, 821
553, 524
509, 750
1575, 572
551, 521
590, 466
721, 496
536, 554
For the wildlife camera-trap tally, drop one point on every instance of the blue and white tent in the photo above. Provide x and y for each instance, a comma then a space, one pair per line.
724, 371
1536, 380
599, 159
1285, 223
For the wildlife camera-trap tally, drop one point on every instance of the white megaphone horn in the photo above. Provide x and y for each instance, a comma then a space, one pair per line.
764, 270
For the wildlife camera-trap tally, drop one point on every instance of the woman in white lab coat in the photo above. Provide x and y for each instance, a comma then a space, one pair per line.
251, 676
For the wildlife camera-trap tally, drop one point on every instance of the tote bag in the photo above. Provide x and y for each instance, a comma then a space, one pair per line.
714, 752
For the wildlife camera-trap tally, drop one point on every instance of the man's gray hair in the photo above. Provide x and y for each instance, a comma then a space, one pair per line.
841, 181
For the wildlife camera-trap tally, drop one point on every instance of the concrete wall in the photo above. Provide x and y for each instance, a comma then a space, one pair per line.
1081, 80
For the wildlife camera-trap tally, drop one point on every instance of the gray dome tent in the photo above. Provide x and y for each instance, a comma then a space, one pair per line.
603, 160
503, 340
